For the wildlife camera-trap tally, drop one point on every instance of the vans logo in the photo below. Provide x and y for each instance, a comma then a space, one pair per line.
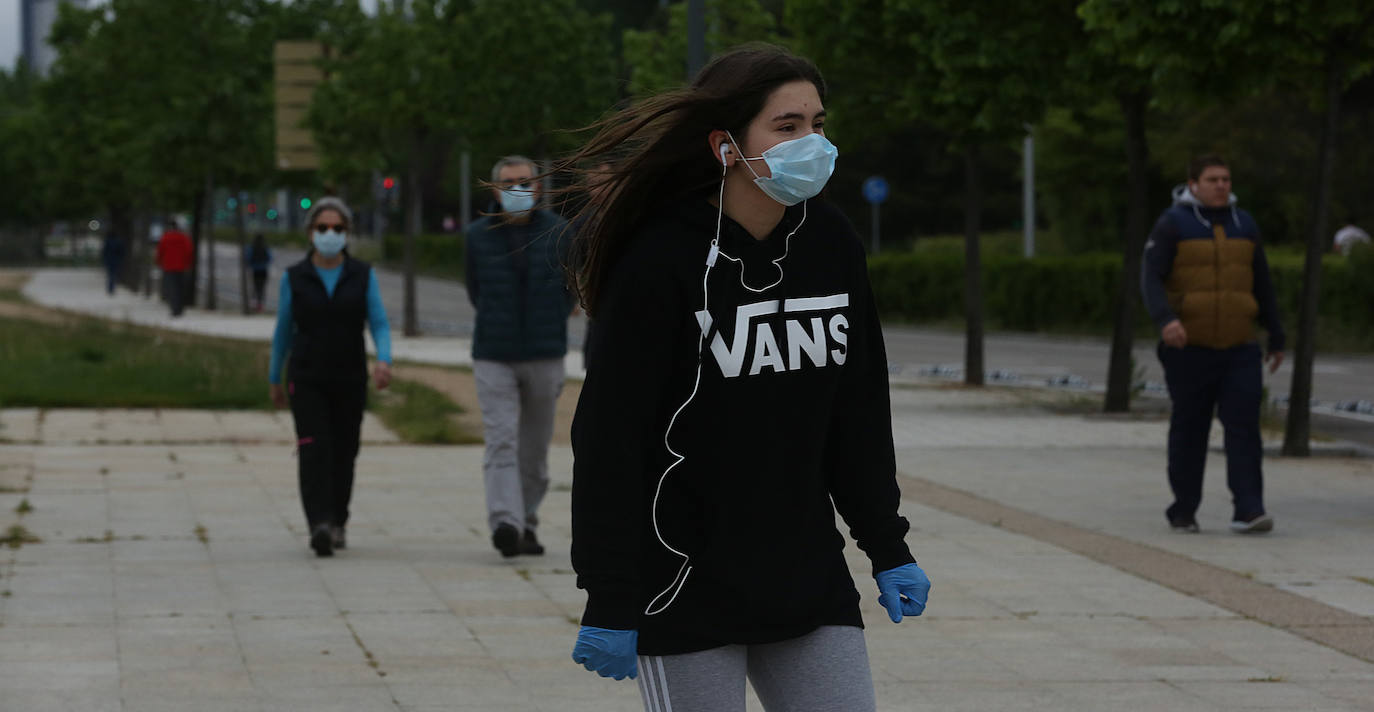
809, 335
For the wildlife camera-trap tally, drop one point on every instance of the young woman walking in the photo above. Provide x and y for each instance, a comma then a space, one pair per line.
738, 399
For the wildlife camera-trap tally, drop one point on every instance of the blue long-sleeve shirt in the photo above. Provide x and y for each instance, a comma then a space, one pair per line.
285, 333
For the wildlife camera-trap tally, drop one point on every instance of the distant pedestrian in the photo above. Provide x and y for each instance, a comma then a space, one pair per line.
112, 252
736, 401
1205, 279
1348, 237
259, 258
516, 281
325, 302
175, 255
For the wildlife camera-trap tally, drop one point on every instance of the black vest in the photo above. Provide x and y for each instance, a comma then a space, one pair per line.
329, 330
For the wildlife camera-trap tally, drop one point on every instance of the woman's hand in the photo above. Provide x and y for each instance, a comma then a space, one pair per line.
608, 653
381, 373
278, 395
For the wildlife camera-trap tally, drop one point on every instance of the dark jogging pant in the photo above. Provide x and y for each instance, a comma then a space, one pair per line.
329, 421
1228, 382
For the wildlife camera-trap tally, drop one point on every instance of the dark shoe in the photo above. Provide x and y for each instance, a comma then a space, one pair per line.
506, 539
1184, 526
322, 540
337, 535
530, 544
1181, 525
1253, 524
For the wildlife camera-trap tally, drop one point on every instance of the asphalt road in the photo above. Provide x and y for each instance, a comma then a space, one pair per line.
1027, 358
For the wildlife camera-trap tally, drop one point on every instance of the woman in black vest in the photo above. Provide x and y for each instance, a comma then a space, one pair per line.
323, 304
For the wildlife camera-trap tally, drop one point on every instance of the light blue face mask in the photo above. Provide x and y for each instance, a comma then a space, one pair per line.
517, 200
800, 168
329, 242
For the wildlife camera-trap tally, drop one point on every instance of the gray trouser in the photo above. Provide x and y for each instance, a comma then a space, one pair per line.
517, 400
823, 671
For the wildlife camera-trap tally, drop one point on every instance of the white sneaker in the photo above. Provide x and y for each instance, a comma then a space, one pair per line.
1258, 524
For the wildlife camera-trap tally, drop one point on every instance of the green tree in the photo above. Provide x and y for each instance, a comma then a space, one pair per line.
200, 110
657, 57
980, 73
392, 99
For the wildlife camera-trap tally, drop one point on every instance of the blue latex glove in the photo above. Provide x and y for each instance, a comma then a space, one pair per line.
608, 653
903, 591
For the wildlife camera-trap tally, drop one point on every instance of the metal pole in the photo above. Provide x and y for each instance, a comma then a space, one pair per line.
1028, 194
696, 37
464, 189
876, 208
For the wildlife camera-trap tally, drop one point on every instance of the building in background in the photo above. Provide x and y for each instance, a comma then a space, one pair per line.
35, 21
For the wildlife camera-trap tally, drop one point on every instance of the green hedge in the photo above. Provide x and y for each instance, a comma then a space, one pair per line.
436, 255
1075, 294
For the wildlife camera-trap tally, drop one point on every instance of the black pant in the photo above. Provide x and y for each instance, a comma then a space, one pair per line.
1228, 382
329, 421
174, 289
259, 283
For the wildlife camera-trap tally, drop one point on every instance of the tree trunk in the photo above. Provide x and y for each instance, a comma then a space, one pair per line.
1298, 431
973, 270
411, 193
197, 233
1120, 369
208, 223
243, 261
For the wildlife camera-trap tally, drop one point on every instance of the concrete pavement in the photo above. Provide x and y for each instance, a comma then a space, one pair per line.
175, 575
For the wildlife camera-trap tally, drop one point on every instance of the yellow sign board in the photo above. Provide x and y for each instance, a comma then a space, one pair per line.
296, 73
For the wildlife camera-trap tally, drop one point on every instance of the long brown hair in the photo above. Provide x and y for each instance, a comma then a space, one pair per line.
656, 151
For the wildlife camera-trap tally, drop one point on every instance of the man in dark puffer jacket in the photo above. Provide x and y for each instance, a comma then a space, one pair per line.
1205, 280
517, 283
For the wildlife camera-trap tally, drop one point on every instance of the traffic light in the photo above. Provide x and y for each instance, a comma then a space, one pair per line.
252, 208
388, 182
271, 213
232, 203
305, 203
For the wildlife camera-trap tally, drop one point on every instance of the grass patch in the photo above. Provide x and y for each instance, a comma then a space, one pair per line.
420, 414
89, 363
202, 534
1363, 580
17, 536
10, 294
24, 507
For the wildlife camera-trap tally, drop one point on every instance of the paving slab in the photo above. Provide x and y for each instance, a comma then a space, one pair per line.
203, 594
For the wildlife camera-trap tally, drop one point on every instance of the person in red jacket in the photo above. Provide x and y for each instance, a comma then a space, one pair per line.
174, 254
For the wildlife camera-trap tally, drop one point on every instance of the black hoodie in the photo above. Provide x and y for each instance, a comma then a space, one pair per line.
737, 541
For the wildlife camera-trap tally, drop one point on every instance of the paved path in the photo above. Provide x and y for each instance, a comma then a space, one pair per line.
174, 575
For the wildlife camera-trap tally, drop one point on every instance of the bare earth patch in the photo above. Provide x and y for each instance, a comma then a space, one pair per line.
14, 307
459, 385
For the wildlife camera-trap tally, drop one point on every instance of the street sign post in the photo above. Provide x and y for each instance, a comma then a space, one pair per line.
875, 191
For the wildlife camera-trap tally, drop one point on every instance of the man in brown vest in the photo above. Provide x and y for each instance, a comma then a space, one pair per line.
1205, 280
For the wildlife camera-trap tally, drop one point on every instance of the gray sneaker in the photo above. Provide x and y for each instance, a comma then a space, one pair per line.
1253, 524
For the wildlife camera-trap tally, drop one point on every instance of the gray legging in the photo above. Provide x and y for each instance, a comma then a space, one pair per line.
823, 671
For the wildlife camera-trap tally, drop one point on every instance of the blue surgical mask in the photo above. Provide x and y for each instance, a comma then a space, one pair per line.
329, 242
517, 200
800, 168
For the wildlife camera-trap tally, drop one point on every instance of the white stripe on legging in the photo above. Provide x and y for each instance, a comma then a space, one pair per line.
663, 685
647, 685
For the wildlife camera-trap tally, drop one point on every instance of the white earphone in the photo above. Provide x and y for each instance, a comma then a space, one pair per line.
724, 149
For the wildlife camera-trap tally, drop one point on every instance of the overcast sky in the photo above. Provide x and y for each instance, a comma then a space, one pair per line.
9, 28
9, 32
